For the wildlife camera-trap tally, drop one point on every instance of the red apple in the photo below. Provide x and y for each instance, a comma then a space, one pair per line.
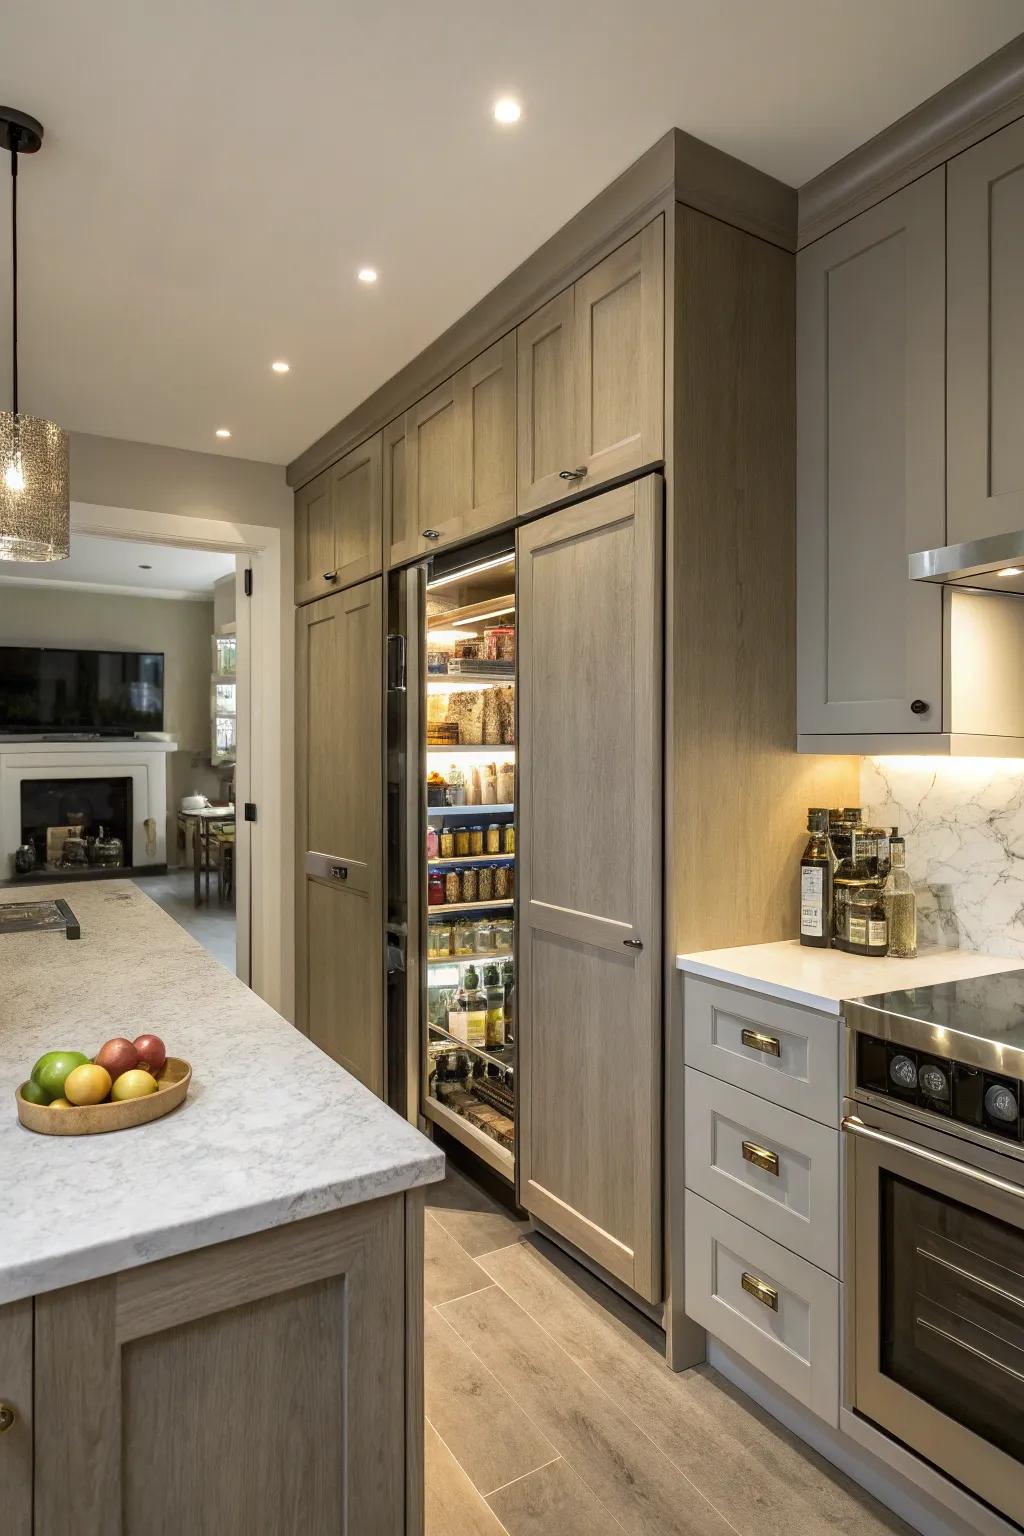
117, 1056
152, 1053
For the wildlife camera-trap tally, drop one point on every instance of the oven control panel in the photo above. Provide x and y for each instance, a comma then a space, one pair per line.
984, 1100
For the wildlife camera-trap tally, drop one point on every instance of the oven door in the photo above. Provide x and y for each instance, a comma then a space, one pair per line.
935, 1298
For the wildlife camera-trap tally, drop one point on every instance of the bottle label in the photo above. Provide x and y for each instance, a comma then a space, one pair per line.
857, 929
878, 933
812, 901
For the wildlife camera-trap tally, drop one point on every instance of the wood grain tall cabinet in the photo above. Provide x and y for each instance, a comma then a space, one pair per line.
642, 366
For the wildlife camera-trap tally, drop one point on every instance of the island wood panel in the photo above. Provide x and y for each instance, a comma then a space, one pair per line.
437, 464
985, 351
400, 535
590, 899
488, 397
339, 795
16, 1394
356, 508
619, 358
314, 539
255, 1385
546, 416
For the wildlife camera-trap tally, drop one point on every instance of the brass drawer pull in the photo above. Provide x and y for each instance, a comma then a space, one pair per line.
767, 1295
768, 1044
7, 1417
761, 1157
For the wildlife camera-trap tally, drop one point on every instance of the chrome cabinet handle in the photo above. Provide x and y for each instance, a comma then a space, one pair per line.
761, 1157
766, 1294
7, 1417
572, 474
755, 1041
330, 575
854, 1126
633, 943
431, 533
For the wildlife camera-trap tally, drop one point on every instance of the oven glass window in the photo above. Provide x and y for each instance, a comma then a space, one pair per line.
952, 1309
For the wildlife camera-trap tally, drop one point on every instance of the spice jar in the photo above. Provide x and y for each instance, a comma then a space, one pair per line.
435, 888
432, 842
446, 843
485, 885
501, 886
493, 839
461, 842
508, 837
476, 841
452, 887
469, 883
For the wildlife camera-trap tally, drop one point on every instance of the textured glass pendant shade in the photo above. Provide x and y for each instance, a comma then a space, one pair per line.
35, 506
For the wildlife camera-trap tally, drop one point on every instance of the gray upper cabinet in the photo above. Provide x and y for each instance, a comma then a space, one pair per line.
871, 467
314, 539
985, 358
399, 533
338, 524
546, 428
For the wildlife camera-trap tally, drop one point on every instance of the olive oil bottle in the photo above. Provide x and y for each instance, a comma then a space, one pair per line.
816, 870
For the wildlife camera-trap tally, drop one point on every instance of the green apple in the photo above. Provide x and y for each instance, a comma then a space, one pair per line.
33, 1094
50, 1070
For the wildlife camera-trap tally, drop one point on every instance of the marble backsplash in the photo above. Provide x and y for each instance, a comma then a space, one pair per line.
963, 819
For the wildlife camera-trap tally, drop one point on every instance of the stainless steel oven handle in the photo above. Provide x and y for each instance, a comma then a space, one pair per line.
856, 1127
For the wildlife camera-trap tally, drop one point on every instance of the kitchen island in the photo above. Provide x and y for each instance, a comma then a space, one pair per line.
211, 1322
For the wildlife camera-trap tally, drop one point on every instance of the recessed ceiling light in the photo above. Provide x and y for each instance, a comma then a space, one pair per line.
281, 366
223, 432
367, 274
1011, 570
507, 110
145, 567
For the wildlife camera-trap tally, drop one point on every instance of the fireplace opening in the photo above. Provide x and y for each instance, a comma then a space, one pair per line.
78, 823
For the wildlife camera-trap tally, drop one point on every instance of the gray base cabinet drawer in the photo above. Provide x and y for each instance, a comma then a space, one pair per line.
786, 1054
775, 1310
771, 1168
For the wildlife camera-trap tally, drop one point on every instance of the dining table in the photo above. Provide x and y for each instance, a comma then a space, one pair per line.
202, 820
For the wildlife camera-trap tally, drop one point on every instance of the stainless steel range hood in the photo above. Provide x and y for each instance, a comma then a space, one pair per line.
995, 564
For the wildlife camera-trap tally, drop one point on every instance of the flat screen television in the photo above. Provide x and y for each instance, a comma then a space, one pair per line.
76, 692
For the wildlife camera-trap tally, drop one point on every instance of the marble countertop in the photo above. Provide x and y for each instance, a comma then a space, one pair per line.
825, 978
272, 1130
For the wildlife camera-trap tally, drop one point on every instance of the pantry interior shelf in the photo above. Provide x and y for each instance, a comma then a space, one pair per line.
485, 956
480, 749
460, 679
486, 1148
472, 858
467, 810
501, 1055
444, 908
491, 607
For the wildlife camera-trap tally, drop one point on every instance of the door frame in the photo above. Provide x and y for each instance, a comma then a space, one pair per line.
263, 849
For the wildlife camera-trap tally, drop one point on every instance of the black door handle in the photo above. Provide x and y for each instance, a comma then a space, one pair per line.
633, 943
920, 706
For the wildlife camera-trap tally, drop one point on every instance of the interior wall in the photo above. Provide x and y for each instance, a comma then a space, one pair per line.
102, 621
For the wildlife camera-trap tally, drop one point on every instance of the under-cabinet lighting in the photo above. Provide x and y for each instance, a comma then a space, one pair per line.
472, 570
1011, 570
450, 635
481, 618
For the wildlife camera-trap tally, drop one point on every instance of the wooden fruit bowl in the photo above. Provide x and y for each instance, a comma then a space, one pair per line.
88, 1119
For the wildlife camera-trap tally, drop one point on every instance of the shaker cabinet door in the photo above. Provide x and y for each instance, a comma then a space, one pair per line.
619, 362
488, 395
589, 991
314, 539
985, 356
356, 510
437, 465
400, 537
546, 415
16, 1407
870, 471
339, 806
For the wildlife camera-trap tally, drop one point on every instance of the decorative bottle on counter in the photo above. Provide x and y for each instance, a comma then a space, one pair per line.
900, 902
816, 871
867, 928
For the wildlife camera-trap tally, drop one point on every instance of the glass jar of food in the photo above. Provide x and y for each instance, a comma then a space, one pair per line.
452, 887
432, 842
446, 843
485, 882
493, 838
484, 937
503, 933
469, 883
508, 837
501, 887
461, 842
465, 938
442, 939
476, 841
435, 888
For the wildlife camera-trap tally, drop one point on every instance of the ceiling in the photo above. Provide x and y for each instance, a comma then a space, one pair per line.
213, 175
110, 564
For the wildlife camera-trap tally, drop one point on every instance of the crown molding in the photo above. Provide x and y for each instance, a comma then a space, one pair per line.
978, 103
54, 584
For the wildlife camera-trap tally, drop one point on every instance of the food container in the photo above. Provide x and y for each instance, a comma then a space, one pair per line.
485, 882
436, 789
476, 841
464, 935
508, 837
501, 882
432, 843
435, 888
500, 643
461, 842
452, 887
506, 784
469, 883
484, 937
446, 843
488, 785
442, 733
493, 838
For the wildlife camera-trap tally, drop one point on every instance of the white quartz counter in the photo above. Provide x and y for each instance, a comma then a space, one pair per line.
272, 1130
824, 978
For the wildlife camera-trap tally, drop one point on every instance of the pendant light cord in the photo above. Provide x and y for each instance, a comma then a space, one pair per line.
14, 265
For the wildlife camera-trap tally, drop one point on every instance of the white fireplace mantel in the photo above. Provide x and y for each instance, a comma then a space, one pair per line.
142, 761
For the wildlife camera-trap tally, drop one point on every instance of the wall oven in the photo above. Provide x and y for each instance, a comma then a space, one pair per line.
934, 1266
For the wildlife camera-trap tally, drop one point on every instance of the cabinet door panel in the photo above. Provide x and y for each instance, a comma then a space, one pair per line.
546, 416
16, 1393
489, 393
871, 425
356, 509
399, 532
314, 539
339, 794
620, 363
589, 993
985, 358
437, 465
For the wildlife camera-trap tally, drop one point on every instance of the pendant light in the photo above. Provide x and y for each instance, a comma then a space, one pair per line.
35, 508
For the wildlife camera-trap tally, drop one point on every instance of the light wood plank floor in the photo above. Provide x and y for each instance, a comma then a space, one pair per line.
551, 1411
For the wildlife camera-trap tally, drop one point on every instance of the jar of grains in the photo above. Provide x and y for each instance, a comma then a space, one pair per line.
446, 843
476, 841
461, 842
508, 837
452, 887
485, 886
469, 883
501, 886
493, 838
